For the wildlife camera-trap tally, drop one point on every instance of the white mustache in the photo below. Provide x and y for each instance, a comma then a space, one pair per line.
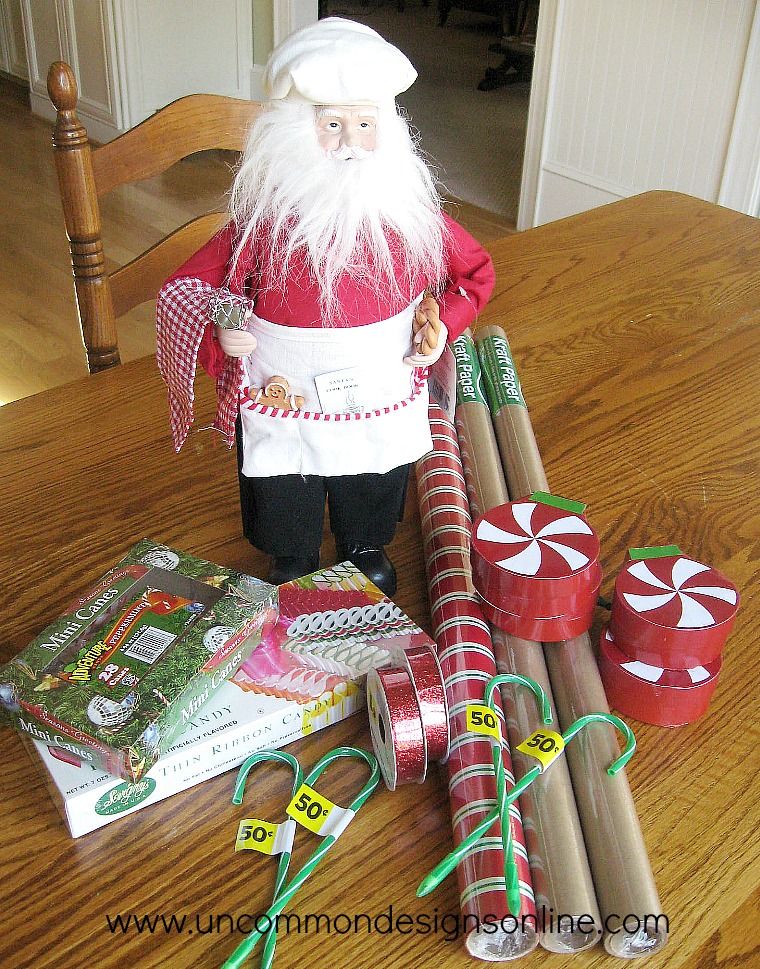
347, 152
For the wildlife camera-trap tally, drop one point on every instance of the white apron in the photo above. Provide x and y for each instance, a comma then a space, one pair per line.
389, 428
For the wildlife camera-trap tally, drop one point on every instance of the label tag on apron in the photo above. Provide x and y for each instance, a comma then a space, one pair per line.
344, 391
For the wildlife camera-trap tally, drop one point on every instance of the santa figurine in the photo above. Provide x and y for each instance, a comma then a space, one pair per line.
351, 279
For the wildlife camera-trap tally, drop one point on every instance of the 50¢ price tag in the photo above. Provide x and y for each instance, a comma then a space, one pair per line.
269, 839
317, 813
482, 719
545, 745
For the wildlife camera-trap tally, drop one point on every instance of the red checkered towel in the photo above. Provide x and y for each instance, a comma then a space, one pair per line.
181, 320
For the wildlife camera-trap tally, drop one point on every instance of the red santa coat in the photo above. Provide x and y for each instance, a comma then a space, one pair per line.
184, 333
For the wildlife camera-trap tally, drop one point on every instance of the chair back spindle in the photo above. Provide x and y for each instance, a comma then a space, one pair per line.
73, 162
194, 123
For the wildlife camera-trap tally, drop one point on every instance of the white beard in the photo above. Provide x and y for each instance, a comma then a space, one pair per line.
375, 218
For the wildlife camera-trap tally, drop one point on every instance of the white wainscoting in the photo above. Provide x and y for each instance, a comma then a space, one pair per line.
174, 48
632, 95
82, 33
132, 57
12, 47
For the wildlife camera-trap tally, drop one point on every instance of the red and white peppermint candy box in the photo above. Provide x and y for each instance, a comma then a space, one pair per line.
532, 558
672, 612
543, 629
654, 694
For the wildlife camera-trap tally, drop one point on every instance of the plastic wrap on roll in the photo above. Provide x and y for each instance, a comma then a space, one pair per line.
622, 873
466, 656
560, 870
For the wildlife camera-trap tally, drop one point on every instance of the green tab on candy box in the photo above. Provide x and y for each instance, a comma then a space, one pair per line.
653, 552
566, 504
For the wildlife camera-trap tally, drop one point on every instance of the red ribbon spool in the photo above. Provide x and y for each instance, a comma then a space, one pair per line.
408, 716
427, 681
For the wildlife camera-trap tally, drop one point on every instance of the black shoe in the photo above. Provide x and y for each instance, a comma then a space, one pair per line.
374, 563
283, 568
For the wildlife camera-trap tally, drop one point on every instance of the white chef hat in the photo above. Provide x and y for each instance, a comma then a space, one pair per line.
337, 61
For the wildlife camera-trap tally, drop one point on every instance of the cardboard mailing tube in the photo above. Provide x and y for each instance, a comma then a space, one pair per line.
619, 862
561, 875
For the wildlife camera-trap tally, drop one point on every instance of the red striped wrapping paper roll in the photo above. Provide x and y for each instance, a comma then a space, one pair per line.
651, 694
467, 661
672, 611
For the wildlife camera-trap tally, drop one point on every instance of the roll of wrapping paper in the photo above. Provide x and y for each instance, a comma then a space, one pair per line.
559, 865
467, 663
622, 873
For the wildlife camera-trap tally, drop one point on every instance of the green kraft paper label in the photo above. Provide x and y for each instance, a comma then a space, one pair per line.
502, 384
566, 504
653, 552
469, 376
125, 796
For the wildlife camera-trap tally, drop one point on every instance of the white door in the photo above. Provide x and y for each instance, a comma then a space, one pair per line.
12, 53
633, 95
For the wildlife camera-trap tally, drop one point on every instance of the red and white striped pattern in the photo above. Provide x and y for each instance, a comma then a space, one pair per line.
418, 383
523, 537
467, 661
678, 592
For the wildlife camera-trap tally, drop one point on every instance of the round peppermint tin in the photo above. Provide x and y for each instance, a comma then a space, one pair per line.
655, 694
544, 629
533, 562
672, 612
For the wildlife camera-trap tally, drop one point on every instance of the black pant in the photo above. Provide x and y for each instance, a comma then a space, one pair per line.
284, 514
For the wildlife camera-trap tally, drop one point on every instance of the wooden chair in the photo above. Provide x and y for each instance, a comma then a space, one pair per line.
193, 123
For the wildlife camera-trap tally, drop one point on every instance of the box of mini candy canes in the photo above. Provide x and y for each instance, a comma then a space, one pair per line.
305, 675
119, 675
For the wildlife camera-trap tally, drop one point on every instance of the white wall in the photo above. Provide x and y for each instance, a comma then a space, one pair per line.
132, 57
632, 95
173, 48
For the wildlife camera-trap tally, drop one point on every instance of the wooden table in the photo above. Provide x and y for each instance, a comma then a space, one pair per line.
635, 330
